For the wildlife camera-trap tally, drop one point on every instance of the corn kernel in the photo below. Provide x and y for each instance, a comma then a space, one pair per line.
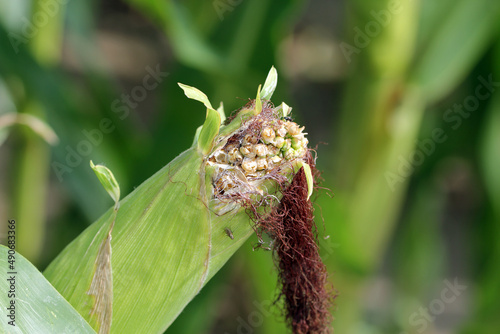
268, 135
272, 150
274, 160
260, 150
293, 128
221, 157
234, 155
296, 143
249, 165
281, 132
278, 142
286, 145
261, 163
248, 151
250, 139
290, 154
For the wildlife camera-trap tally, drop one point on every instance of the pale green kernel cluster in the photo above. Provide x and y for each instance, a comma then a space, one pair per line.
256, 155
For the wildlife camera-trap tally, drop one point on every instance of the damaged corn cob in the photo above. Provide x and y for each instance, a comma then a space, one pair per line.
178, 228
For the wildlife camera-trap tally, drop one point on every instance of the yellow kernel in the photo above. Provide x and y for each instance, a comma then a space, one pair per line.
248, 151
272, 150
234, 155
281, 132
290, 154
260, 150
268, 134
261, 163
293, 128
274, 160
221, 157
249, 165
278, 142
250, 139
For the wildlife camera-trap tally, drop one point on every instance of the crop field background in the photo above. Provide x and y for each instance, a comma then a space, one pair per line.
401, 99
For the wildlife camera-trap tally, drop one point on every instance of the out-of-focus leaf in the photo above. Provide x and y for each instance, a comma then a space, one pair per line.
188, 46
39, 308
455, 45
490, 157
54, 95
38, 126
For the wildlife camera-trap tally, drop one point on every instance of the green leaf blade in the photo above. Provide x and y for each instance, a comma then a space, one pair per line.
39, 307
161, 250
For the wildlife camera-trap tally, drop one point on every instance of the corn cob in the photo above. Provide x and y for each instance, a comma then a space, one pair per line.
178, 228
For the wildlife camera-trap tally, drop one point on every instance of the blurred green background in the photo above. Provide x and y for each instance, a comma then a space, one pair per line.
400, 97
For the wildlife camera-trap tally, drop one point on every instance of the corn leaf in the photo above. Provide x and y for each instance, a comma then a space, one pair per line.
167, 244
220, 110
209, 131
196, 94
449, 56
39, 308
258, 102
270, 84
107, 180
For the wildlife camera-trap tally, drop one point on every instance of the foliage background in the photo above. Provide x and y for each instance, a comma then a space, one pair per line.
392, 244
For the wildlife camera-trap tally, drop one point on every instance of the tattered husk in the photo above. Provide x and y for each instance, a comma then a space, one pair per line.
166, 245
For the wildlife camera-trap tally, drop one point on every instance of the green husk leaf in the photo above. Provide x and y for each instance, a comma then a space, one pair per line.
101, 287
196, 94
209, 131
166, 244
270, 84
197, 135
447, 56
309, 177
258, 102
39, 308
107, 180
284, 109
220, 110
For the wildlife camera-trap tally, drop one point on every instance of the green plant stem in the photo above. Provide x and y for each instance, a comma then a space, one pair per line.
31, 189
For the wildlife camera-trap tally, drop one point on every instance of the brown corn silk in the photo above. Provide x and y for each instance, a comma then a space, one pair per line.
302, 275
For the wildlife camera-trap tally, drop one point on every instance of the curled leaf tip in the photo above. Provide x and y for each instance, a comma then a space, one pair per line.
270, 84
108, 181
196, 94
